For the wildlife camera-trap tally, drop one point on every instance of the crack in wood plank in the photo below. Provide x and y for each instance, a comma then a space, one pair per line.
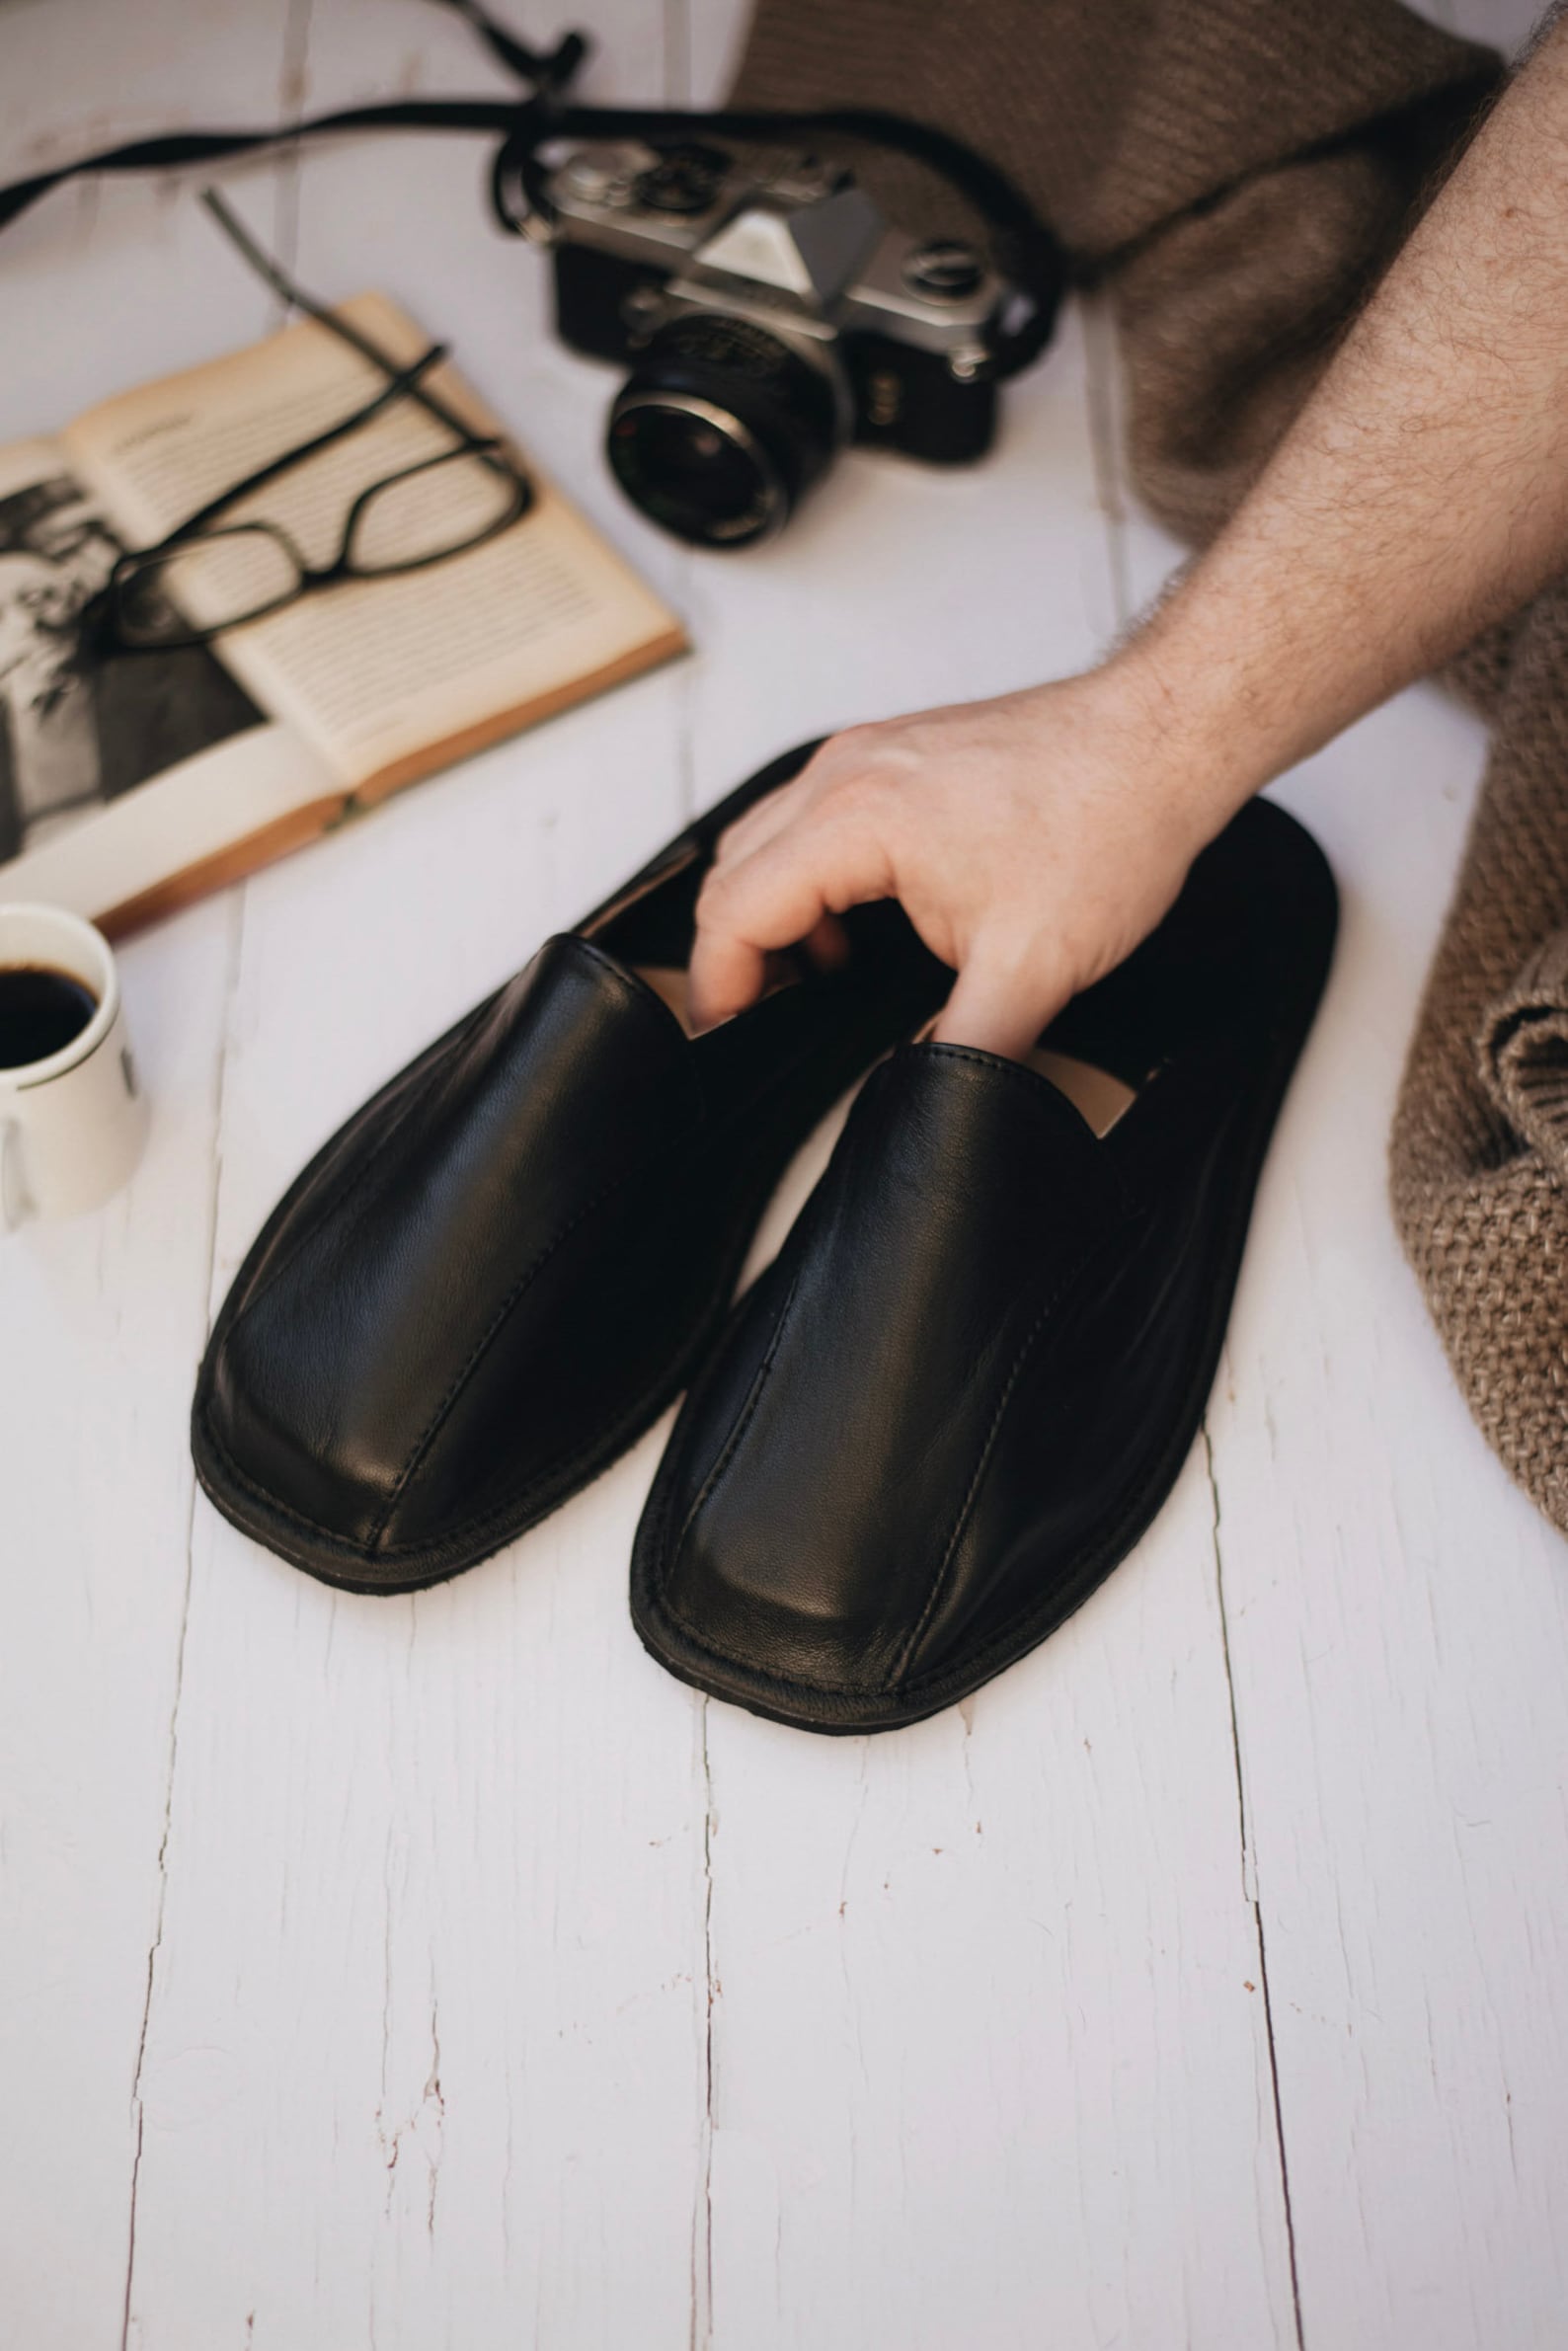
702, 2212
1250, 1890
138, 2107
294, 97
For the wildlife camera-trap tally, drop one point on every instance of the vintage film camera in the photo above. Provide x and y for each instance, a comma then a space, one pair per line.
769, 319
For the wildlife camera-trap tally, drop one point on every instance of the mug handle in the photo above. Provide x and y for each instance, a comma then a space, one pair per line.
13, 1199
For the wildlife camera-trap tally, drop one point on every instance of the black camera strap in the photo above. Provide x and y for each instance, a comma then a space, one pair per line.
1025, 249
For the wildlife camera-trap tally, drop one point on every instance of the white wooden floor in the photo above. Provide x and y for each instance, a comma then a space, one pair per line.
406, 1974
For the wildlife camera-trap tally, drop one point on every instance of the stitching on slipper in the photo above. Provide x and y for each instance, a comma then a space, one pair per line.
808, 1240
1018, 1636
486, 1338
716, 1476
1030, 1083
352, 1183
717, 1649
1066, 1282
342, 1188
807, 1229
1002, 1646
638, 1169
842, 1071
559, 1472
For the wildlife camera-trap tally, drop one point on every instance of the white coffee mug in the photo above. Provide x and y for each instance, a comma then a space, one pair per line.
71, 1126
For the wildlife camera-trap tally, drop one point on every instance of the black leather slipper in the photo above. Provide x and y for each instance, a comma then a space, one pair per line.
493, 1279
969, 1378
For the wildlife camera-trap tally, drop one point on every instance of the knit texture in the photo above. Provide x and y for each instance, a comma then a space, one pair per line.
1236, 174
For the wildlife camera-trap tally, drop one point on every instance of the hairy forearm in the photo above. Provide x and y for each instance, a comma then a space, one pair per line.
1422, 493
1034, 840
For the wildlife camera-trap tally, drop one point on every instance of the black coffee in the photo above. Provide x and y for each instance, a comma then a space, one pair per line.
40, 1012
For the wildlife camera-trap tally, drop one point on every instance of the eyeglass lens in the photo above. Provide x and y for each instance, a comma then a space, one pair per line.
433, 510
236, 571
180, 594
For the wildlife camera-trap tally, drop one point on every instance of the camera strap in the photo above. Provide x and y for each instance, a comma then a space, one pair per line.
1024, 248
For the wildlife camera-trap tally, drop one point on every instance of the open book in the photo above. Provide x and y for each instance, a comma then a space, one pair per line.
134, 782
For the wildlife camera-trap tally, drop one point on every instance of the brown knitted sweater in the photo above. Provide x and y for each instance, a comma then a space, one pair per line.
1235, 173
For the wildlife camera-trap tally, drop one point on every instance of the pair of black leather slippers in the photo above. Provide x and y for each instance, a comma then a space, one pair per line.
937, 1420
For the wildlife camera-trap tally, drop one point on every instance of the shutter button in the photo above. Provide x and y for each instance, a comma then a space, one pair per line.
945, 270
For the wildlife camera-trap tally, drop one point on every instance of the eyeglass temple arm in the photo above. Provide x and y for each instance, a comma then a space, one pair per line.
274, 275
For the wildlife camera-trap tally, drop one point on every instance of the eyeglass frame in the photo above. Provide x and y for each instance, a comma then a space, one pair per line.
404, 382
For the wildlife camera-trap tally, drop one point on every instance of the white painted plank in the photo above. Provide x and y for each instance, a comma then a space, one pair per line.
450, 1881
106, 282
102, 1319
102, 1322
1399, 1630
715, 40
1506, 23
462, 1805
990, 2064
1400, 1635
80, 76
424, 2059
987, 2067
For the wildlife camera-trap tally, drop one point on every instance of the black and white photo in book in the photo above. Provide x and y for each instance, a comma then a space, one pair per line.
78, 728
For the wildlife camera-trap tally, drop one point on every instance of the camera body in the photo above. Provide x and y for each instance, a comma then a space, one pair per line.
769, 319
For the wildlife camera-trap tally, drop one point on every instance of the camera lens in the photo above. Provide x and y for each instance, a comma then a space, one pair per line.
689, 467
721, 428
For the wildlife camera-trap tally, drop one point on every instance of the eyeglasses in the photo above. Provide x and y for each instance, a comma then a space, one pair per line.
208, 575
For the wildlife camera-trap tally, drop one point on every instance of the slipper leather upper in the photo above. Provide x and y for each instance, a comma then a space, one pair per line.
491, 1279
972, 1374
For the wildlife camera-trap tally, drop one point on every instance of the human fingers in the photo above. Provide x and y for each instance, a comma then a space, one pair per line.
834, 763
787, 891
1003, 998
729, 972
768, 817
828, 946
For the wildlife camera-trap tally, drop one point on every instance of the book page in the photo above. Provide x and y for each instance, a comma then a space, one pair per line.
196, 827
384, 677
82, 731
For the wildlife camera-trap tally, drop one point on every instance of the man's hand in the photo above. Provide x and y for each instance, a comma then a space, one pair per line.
1421, 495
1024, 838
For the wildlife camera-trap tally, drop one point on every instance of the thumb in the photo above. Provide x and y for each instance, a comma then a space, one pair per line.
1001, 1003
